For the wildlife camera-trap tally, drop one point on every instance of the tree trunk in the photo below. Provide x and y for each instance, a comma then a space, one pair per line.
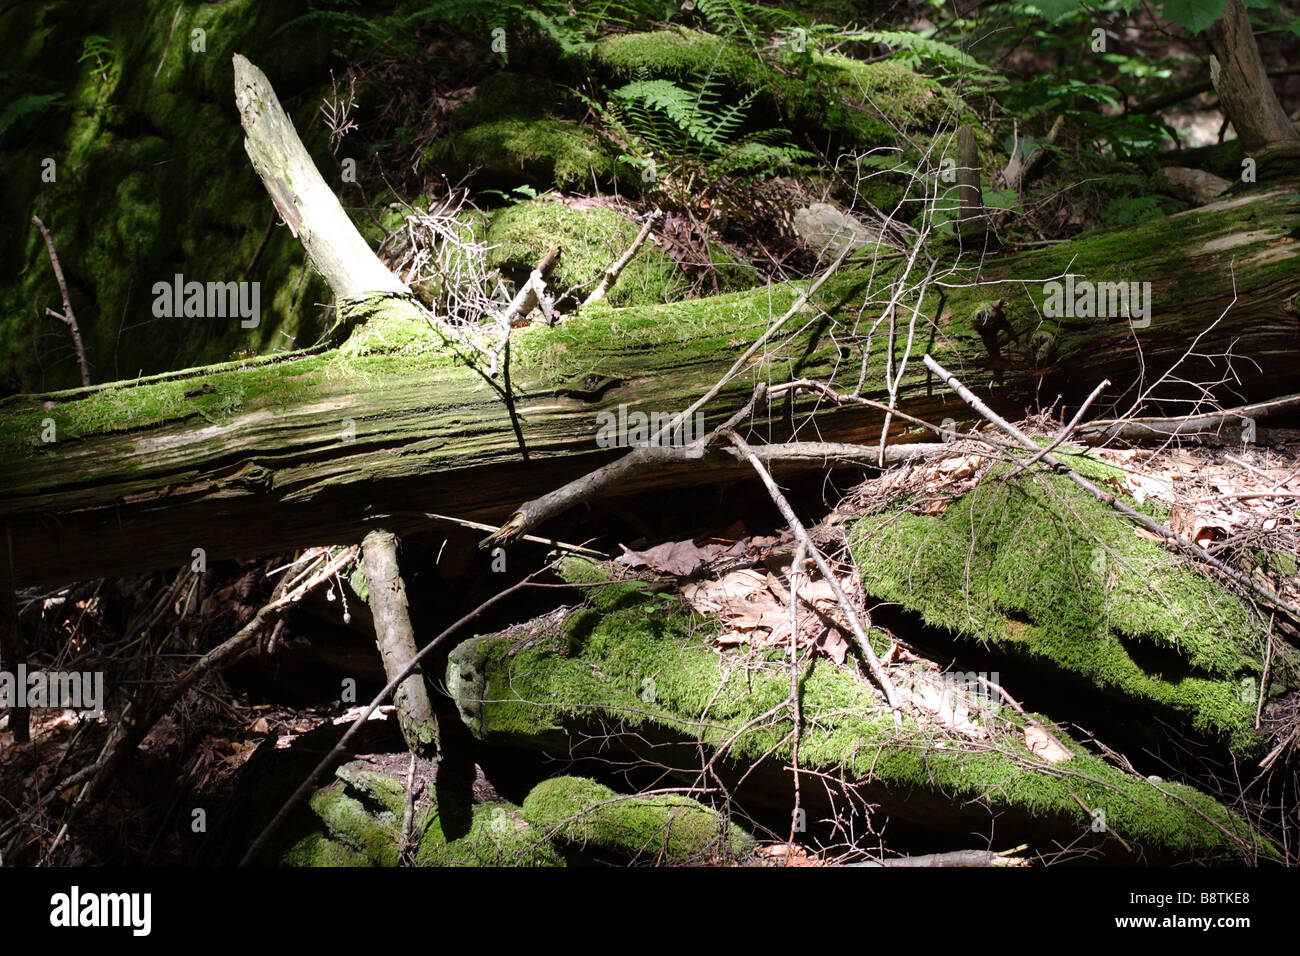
1243, 86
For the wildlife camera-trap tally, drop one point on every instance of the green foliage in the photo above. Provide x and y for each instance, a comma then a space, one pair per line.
683, 141
99, 50
27, 105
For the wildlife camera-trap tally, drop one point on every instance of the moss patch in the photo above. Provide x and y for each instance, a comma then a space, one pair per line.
151, 180
662, 827
590, 240
646, 663
1042, 569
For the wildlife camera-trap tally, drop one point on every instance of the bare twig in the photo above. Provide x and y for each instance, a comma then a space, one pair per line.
611, 274
806, 543
67, 318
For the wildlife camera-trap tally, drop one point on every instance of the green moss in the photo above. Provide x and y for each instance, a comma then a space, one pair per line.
538, 152
316, 849
498, 836
661, 827
1042, 569
867, 104
651, 667
590, 240
135, 200
373, 833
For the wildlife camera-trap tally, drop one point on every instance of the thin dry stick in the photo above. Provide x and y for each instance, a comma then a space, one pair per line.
67, 318
613, 272
1106, 498
1065, 432
796, 581
806, 542
296, 797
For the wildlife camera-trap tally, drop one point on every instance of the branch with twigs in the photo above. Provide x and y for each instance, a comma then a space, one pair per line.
66, 317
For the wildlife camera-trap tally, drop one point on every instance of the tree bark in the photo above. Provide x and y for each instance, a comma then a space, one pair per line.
301, 196
396, 640
1243, 86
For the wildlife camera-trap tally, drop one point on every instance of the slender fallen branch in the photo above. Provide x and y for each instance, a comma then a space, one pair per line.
395, 638
1150, 524
1065, 432
613, 272
651, 458
297, 796
1182, 426
533, 293
67, 318
806, 543
955, 858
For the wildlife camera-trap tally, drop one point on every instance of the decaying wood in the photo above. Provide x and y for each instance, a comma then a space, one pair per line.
304, 200
973, 221
1243, 86
961, 858
305, 459
1207, 425
396, 640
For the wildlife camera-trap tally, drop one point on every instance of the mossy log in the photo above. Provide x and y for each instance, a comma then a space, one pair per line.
242, 458
635, 676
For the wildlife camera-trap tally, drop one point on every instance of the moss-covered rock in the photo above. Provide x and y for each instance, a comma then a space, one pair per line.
499, 835
357, 821
590, 241
662, 827
641, 672
865, 104
514, 133
1039, 568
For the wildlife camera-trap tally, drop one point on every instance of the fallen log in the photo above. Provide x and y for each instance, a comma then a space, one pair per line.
242, 458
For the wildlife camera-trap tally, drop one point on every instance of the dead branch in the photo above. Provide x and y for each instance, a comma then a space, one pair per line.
613, 272
1209, 424
955, 858
806, 543
67, 318
533, 293
395, 639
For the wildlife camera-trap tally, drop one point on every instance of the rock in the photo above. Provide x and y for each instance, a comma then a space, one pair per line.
1193, 184
827, 230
